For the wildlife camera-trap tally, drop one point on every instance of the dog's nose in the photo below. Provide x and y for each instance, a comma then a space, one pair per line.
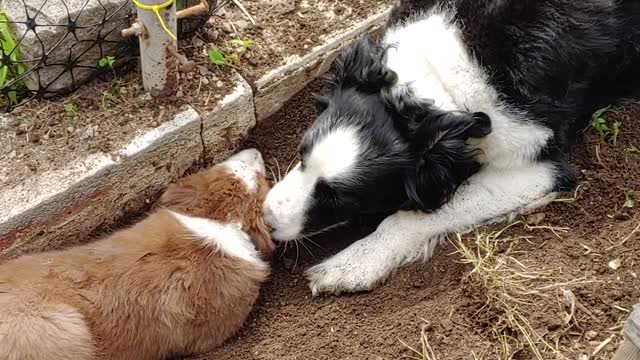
269, 218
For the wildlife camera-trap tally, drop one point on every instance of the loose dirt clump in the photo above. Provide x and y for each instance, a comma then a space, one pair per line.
576, 259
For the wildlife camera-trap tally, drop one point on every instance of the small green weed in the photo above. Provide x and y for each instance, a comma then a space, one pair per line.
231, 54
70, 109
106, 62
110, 96
601, 126
8, 54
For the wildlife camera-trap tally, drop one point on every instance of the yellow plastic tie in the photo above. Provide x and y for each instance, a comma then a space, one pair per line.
156, 10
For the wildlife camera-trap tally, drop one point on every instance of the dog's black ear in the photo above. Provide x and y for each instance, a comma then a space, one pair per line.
362, 66
443, 158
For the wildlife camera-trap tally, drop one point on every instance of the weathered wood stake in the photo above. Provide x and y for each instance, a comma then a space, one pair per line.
159, 66
630, 348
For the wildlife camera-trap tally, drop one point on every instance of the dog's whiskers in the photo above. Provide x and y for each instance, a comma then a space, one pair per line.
295, 264
284, 251
279, 170
273, 175
313, 242
305, 246
289, 166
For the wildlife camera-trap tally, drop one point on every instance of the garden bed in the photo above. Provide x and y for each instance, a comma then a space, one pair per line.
287, 28
72, 163
585, 257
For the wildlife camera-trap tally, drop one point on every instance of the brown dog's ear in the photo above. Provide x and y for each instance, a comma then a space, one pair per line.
178, 196
260, 236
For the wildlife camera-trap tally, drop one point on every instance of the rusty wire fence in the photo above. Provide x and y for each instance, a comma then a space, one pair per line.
51, 47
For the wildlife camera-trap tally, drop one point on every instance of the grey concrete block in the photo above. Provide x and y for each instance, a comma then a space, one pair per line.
278, 85
61, 208
84, 42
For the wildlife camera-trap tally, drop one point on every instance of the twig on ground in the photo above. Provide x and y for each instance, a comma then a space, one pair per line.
633, 232
602, 345
244, 11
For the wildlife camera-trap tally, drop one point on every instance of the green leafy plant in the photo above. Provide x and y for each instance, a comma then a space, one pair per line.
106, 61
218, 58
8, 49
601, 126
231, 54
70, 109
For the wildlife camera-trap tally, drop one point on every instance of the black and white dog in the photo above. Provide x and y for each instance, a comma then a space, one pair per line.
458, 117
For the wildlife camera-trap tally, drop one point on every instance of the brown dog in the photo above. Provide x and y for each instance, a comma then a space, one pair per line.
180, 281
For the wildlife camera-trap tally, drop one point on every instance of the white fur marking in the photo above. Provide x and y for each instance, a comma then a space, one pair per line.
229, 239
244, 173
334, 155
491, 195
286, 204
430, 59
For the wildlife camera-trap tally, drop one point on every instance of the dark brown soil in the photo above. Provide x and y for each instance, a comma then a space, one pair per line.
287, 323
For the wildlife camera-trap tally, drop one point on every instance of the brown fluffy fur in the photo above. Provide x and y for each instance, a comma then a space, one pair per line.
146, 292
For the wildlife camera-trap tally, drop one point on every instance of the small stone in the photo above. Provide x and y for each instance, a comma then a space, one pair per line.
219, 84
197, 42
590, 335
179, 94
536, 219
189, 76
214, 78
213, 35
154, 124
615, 264
89, 132
123, 90
243, 24
12, 154
203, 70
70, 129
226, 27
205, 81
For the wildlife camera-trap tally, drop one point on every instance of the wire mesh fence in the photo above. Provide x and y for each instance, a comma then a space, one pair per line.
51, 47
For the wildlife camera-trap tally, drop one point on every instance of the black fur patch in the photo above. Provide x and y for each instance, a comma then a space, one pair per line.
555, 61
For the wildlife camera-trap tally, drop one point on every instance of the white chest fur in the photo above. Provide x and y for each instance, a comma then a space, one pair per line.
429, 57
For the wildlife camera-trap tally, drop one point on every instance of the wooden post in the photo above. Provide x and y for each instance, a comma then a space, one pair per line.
630, 348
159, 66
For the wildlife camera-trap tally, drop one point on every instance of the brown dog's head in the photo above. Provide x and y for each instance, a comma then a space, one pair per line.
231, 191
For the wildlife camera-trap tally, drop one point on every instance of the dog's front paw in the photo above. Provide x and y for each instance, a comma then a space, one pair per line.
349, 271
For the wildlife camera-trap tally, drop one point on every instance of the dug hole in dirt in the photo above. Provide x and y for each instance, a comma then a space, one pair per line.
557, 284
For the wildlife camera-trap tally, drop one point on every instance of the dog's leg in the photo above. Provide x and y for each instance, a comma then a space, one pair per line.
492, 195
